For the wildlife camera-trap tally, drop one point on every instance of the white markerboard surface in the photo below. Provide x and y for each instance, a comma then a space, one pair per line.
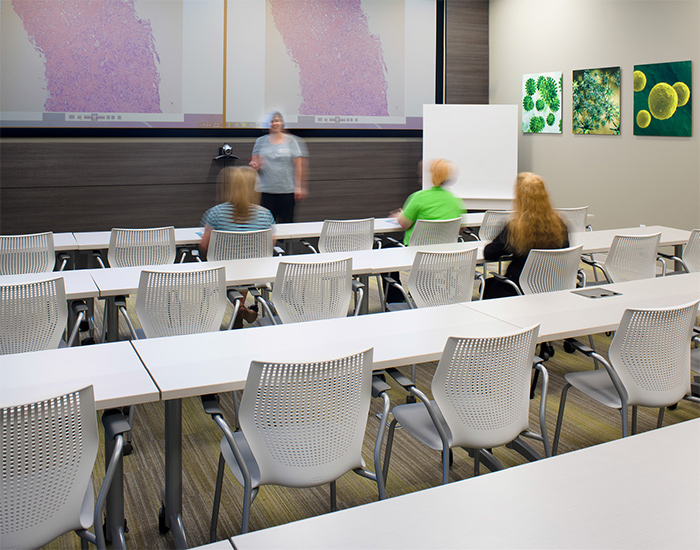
482, 140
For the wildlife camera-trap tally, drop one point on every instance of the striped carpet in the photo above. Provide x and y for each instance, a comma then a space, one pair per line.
413, 466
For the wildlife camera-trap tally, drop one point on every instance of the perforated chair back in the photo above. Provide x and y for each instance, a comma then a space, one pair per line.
493, 223
550, 270
309, 291
133, 247
240, 245
48, 454
428, 232
574, 218
346, 235
482, 387
632, 257
171, 303
305, 422
440, 278
33, 317
651, 355
691, 253
27, 253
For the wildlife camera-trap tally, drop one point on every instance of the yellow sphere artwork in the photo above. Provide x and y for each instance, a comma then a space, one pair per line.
643, 118
683, 93
640, 80
663, 101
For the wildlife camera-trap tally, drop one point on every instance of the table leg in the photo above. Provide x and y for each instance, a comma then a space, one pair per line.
111, 317
172, 510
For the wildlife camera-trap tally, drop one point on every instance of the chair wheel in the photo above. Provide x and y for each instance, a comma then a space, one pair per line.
410, 399
568, 348
87, 342
162, 523
127, 449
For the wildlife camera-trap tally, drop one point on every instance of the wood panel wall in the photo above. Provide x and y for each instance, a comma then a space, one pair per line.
94, 184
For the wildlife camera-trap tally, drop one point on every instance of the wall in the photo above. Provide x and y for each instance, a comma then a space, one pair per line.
626, 180
95, 184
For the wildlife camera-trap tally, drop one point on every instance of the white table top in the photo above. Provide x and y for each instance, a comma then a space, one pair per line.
564, 314
115, 371
257, 271
197, 364
614, 495
64, 241
79, 283
600, 241
96, 240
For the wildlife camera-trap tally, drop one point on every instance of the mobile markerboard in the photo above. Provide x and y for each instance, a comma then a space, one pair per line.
482, 140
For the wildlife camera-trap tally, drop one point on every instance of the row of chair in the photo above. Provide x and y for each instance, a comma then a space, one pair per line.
479, 401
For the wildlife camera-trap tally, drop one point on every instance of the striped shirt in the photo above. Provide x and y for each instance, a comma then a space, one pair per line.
220, 217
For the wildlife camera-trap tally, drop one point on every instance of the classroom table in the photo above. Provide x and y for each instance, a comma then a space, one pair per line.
600, 240
612, 495
64, 242
119, 380
79, 284
198, 364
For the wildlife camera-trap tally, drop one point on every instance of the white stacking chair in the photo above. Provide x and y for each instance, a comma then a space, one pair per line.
302, 424
575, 218
630, 257
29, 254
34, 316
439, 278
428, 232
177, 302
690, 259
134, 247
49, 449
310, 291
549, 270
346, 235
480, 400
493, 223
648, 366
240, 245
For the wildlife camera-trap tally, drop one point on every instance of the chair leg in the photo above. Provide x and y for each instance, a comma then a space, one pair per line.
446, 465
477, 461
660, 421
387, 452
533, 386
334, 496
623, 413
634, 419
560, 417
217, 499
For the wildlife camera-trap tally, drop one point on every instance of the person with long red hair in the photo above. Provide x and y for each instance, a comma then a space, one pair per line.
534, 224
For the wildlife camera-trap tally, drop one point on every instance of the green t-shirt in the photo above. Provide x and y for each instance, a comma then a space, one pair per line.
435, 203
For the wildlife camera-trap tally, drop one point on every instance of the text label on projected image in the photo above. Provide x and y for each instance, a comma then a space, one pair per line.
595, 101
541, 103
663, 99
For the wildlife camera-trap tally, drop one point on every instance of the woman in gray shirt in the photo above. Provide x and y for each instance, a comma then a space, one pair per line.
281, 161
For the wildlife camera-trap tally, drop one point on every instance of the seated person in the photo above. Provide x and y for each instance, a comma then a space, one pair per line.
435, 203
240, 213
534, 224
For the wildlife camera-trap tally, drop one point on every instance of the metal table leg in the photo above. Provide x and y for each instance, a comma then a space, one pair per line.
171, 513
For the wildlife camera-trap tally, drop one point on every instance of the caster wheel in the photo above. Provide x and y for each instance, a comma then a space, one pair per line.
127, 449
410, 399
87, 342
568, 348
162, 523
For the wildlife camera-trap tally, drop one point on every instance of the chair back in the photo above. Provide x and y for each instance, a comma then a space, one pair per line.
435, 232
493, 223
346, 235
133, 247
550, 270
34, 316
305, 422
171, 303
482, 387
651, 354
48, 454
691, 253
574, 218
632, 257
309, 291
27, 253
440, 278
240, 245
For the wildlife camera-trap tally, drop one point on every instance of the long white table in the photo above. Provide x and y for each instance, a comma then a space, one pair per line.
79, 284
614, 495
600, 241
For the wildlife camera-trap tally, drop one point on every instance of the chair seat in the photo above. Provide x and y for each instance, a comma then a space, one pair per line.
416, 419
597, 385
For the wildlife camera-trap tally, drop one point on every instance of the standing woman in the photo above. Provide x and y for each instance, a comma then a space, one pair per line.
535, 224
281, 161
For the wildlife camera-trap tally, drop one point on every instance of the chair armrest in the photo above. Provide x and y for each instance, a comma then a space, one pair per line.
358, 289
595, 265
403, 380
482, 284
393, 240
377, 243
379, 386
80, 310
98, 258
663, 265
469, 233
63, 258
507, 281
278, 251
578, 346
236, 299
210, 404
580, 278
309, 246
115, 423
390, 281
196, 255
120, 303
268, 307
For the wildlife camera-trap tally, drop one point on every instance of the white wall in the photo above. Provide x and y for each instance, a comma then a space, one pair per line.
626, 180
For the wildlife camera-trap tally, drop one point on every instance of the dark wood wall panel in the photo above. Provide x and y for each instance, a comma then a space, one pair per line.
96, 184
467, 51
